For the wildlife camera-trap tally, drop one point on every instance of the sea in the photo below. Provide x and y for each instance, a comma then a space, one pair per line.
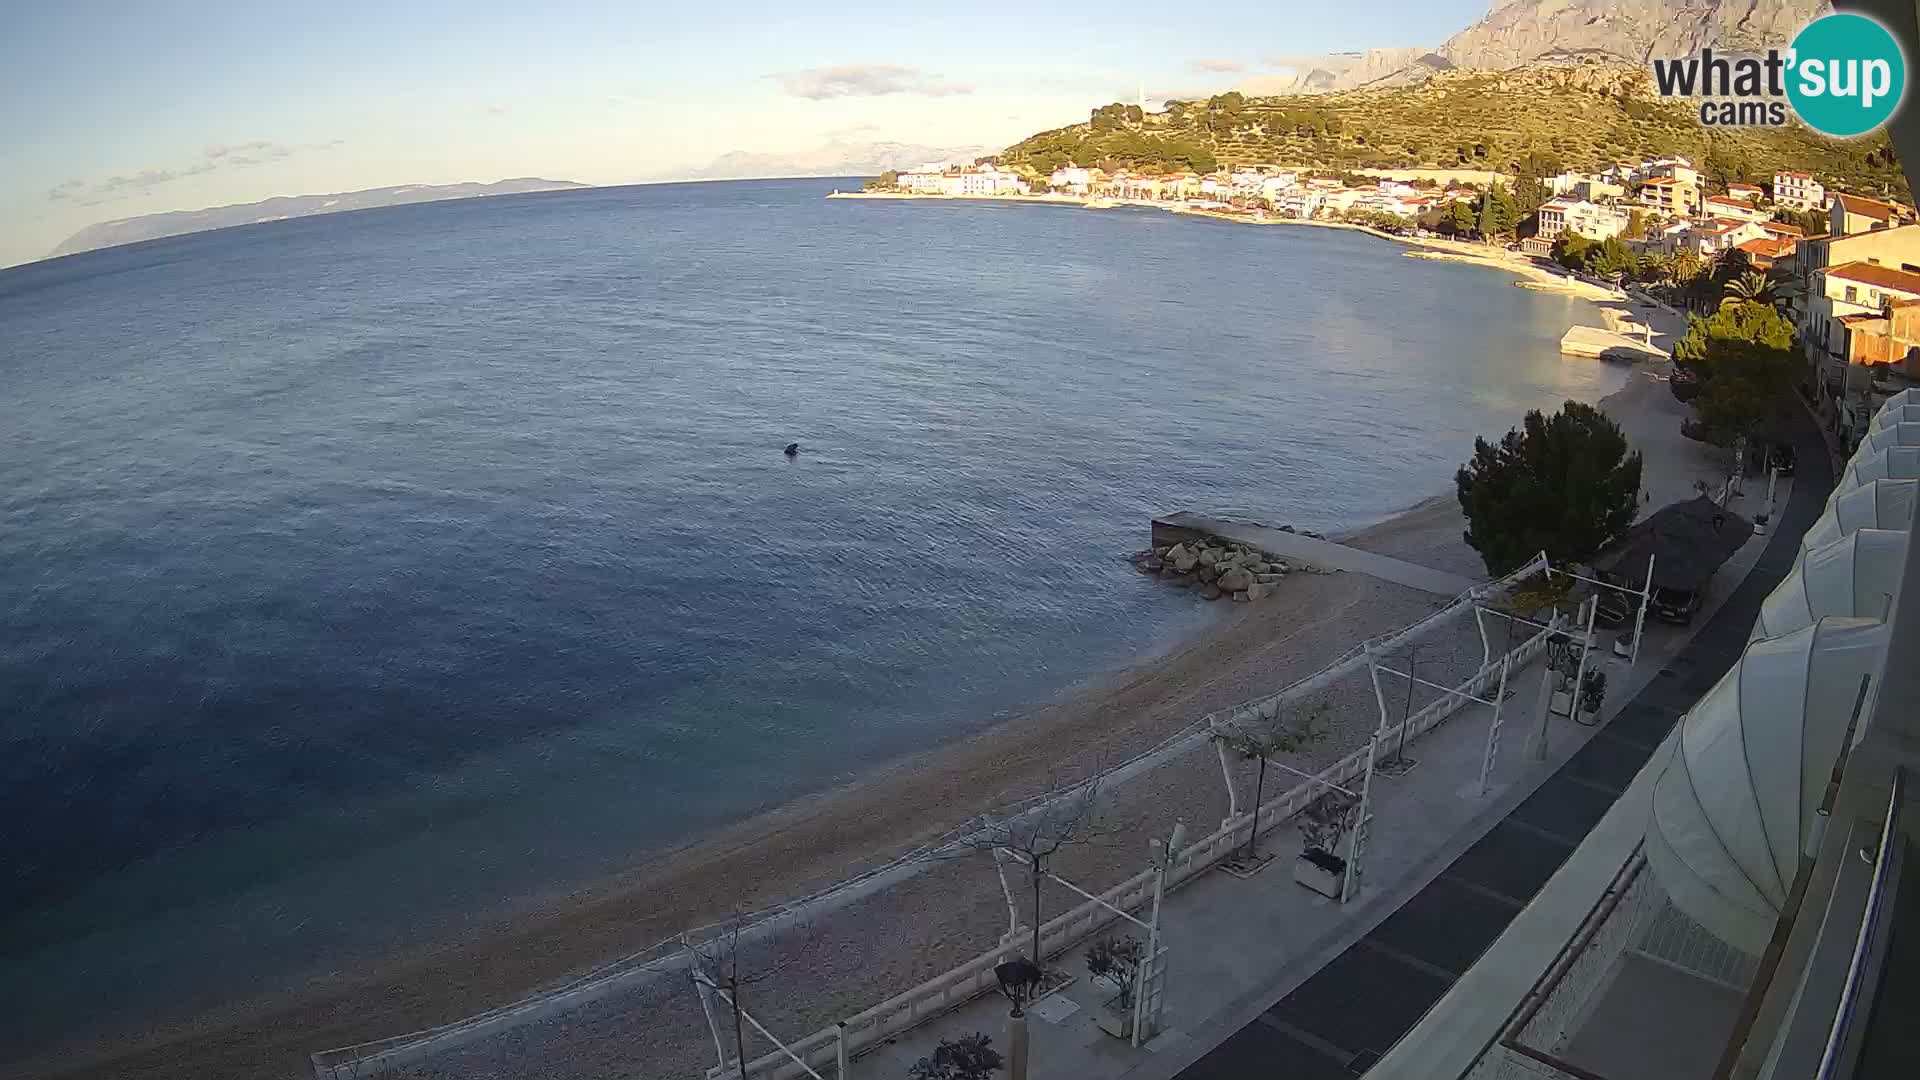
369, 574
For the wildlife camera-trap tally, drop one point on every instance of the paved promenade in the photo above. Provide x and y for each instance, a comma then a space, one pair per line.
1324, 554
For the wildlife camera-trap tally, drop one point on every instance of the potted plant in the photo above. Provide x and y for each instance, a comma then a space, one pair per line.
969, 1057
1760, 524
1623, 644
1116, 962
1593, 691
1322, 824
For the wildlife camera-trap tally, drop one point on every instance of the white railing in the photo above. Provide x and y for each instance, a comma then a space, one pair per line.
974, 977
947, 991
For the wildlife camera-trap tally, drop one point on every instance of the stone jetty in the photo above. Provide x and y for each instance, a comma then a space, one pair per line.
1215, 567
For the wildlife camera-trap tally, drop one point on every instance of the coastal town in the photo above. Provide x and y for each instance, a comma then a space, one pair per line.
1843, 267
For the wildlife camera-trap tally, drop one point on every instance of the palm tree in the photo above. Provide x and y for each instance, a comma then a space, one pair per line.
1750, 287
1684, 267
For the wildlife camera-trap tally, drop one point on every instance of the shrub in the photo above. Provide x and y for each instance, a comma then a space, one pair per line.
969, 1057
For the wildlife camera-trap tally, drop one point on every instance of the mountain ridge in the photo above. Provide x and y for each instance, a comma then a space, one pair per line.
1521, 32
832, 158
130, 230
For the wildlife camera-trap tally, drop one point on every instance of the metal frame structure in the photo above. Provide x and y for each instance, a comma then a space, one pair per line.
1153, 964
1375, 668
707, 986
1645, 593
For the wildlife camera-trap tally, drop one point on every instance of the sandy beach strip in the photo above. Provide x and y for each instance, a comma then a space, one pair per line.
889, 941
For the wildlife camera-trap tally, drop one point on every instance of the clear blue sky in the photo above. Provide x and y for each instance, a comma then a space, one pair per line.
117, 109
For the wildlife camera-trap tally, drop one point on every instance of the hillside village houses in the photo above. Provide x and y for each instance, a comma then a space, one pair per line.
1853, 300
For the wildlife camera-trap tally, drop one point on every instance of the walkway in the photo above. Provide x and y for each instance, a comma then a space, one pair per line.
1321, 553
1340, 1021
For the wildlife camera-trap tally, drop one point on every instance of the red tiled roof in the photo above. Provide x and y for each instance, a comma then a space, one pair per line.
1873, 208
1781, 228
1881, 277
1794, 175
1767, 248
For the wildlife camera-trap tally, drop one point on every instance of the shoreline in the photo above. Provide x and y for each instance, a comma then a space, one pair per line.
1438, 248
813, 841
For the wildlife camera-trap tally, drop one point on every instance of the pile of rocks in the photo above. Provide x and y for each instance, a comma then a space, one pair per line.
1218, 567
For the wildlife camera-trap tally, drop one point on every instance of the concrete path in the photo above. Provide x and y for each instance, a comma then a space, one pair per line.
1324, 554
1598, 342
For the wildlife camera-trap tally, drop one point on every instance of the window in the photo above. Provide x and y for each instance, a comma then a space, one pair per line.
1853, 295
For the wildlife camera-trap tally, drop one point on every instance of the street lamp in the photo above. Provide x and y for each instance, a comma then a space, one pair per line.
1019, 981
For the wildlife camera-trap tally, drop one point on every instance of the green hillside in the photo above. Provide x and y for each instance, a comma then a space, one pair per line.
1581, 116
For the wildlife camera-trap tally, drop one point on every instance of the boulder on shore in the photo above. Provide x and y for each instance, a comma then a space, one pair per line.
1210, 591
1259, 590
1242, 596
1236, 579
1181, 559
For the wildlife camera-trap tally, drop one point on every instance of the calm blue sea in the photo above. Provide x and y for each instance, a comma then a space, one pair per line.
363, 573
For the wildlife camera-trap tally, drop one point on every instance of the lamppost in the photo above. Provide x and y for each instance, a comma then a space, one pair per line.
1019, 981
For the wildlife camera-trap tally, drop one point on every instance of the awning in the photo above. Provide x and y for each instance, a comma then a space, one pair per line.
1901, 408
1901, 434
1856, 575
1688, 541
1882, 504
1890, 463
1735, 804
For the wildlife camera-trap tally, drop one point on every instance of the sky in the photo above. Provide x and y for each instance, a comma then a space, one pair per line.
114, 109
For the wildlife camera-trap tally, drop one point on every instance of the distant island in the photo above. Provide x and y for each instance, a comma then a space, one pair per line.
834, 158
177, 222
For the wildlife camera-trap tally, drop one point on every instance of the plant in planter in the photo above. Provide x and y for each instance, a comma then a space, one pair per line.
1116, 962
1593, 691
1324, 821
969, 1057
1258, 739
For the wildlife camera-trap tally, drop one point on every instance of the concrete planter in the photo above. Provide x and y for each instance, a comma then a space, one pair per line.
1116, 1019
1322, 872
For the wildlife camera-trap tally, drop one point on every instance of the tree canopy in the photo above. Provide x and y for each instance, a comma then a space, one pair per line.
1736, 366
1567, 484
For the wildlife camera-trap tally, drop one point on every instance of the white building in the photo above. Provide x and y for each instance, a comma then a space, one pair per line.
929, 182
1299, 202
1071, 178
1711, 238
1729, 207
991, 181
1798, 190
1746, 193
1273, 186
1677, 169
1590, 187
1591, 220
